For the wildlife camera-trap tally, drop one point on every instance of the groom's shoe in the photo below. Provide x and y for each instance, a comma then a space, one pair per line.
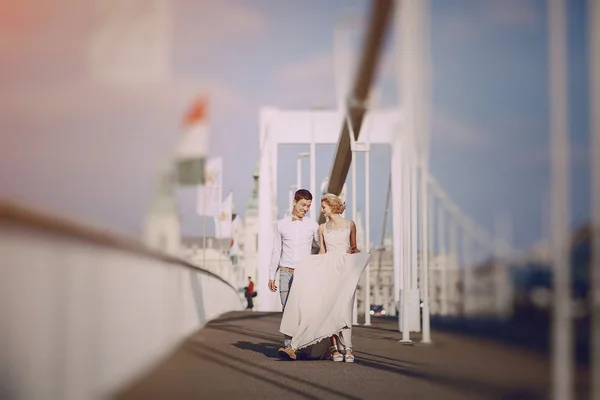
287, 353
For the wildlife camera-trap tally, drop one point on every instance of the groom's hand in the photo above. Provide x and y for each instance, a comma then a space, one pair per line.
272, 286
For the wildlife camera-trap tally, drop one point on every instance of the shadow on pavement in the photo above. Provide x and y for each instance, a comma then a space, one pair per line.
250, 315
490, 390
487, 389
248, 368
246, 332
268, 349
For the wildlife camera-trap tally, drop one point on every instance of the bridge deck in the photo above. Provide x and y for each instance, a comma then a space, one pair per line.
235, 357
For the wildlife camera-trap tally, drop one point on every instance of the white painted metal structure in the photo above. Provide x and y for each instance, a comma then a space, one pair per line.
412, 186
594, 40
562, 325
291, 127
362, 146
413, 76
84, 312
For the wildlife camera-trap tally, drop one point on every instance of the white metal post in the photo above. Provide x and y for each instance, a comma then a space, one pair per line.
420, 64
562, 335
406, 91
501, 245
444, 260
299, 172
397, 219
313, 210
355, 313
467, 242
426, 338
432, 248
292, 191
405, 308
367, 237
594, 40
408, 265
454, 260
414, 215
355, 148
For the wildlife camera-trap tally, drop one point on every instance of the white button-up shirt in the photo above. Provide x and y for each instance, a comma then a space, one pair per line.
293, 241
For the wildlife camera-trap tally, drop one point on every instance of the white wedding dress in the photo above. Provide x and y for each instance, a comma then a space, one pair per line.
321, 298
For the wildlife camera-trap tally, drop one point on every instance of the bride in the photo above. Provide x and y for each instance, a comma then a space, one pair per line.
321, 300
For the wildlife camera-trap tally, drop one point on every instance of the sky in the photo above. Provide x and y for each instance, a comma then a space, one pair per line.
90, 150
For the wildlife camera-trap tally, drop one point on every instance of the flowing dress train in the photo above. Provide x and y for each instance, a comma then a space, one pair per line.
321, 299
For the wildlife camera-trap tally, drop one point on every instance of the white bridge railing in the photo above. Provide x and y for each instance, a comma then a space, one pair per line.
83, 312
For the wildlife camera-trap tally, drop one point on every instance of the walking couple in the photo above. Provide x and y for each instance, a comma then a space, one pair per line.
321, 302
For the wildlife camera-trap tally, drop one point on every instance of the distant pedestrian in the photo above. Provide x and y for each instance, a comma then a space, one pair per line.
250, 294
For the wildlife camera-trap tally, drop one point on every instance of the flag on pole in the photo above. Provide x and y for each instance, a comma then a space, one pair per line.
209, 194
223, 221
193, 146
234, 248
234, 221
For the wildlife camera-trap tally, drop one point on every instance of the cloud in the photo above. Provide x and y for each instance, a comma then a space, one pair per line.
512, 13
306, 83
211, 25
311, 70
51, 41
472, 24
92, 151
42, 41
313, 80
387, 66
450, 131
85, 100
539, 157
22, 16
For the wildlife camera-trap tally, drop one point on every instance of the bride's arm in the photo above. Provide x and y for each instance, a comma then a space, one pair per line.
353, 249
322, 249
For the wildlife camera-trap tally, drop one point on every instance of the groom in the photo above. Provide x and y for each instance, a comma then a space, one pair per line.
293, 242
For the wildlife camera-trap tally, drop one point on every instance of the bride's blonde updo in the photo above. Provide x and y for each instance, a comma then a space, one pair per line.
335, 203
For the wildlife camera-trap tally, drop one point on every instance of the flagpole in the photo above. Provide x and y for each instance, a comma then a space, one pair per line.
204, 230
230, 222
220, 254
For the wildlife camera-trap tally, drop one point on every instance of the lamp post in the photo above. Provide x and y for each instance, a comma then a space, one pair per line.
364, 147
594, 51
299, 168
367, 230
444, 260
562, 330
292, 190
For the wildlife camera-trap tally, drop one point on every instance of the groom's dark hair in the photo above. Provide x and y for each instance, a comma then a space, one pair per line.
302, 194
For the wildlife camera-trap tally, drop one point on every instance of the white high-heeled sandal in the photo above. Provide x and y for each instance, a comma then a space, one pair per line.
348, 356
336, 356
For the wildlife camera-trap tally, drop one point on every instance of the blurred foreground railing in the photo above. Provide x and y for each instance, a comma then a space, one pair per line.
84, 312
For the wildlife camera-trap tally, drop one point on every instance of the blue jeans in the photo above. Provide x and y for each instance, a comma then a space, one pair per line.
286, 279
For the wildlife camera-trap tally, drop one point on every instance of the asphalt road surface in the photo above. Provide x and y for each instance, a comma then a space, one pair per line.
235, 357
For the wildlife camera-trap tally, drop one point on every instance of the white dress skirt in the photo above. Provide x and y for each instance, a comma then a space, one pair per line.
321, 298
